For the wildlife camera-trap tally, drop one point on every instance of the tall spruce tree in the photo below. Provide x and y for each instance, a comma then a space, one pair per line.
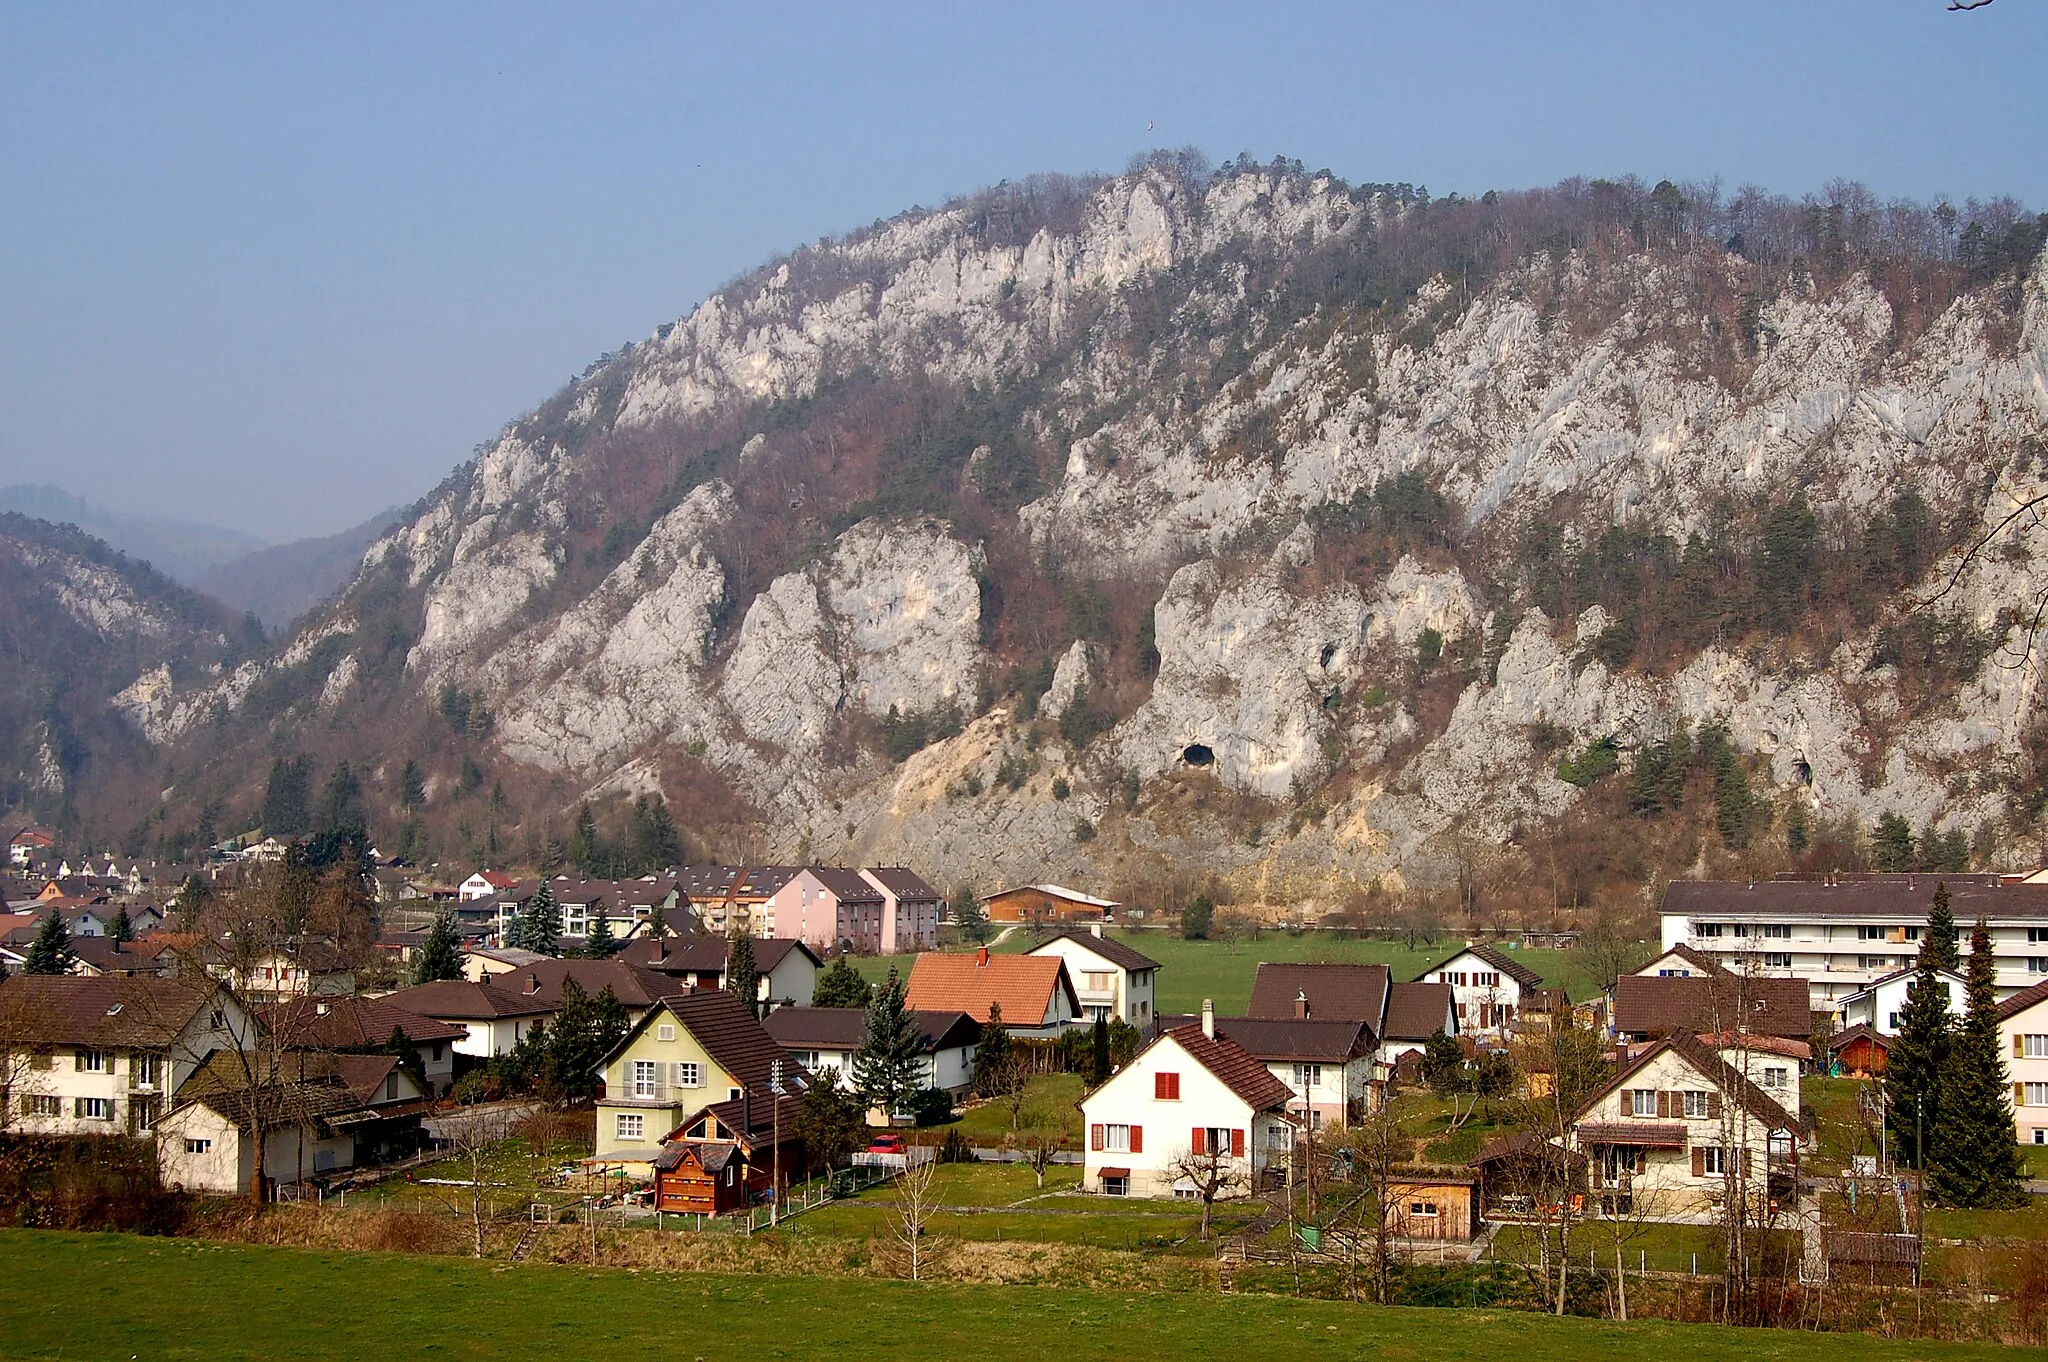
1912, 1076
584, 849
1098, 1053
1941, 930
886, 1067
51, 952
540, 922
122, 930
840, 985
995, 1057
742, 976
600, 943
440, 955
1974, 1161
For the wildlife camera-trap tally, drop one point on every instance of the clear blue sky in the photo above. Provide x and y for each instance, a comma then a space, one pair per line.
280, 266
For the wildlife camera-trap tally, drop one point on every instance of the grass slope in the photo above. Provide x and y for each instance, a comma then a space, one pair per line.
117, 1296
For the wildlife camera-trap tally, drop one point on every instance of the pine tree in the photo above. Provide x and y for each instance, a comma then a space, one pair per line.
829, 1122
583, 846
123, 930
1913, 1068
1098, 1053
841, 985
440, 955
886, 1067
1974, 1161
742, 976
1941, 930
341, 808
287, 797
412, 787
995, 1057
600, 943
1891, 846
51, 951
540, 923
657, 844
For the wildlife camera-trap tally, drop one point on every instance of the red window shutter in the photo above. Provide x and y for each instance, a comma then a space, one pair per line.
1699, 1161
1200, 1141
1137, 1139
1173, 1086
1095, 1137
1237, 1144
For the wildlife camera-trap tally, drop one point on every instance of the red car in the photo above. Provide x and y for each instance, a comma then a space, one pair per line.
886, 1144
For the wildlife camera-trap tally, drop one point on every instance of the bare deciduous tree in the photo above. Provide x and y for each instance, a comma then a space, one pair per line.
913, 1208
1211, 1172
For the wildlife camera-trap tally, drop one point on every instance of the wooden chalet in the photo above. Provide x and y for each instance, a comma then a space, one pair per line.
724, 1158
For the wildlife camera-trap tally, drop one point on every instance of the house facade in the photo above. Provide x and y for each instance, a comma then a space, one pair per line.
1034, 991
492, 1020
1189, 1105
824, 1041
1487, 985
1879, 1004
687, 1053
1328, 1065
2023, 1040
1045, 905
910, 909
1111, 979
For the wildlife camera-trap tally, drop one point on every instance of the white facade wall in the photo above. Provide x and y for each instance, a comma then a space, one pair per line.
2023, 1041
1666, 1184
1128, 1101
1840, 955
1879, 1007
1102, 985
490, 1036
1478, 991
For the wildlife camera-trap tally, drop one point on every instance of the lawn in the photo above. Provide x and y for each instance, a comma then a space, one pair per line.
1049, 1100
1222, 970
73, 1296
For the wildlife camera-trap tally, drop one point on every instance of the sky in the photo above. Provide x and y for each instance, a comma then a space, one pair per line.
280, 267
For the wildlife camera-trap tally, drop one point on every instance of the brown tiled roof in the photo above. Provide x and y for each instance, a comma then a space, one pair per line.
1652, 1005
906, 884
1499, 959
314, 1088
107, 1011
109, 956
1234, 1066
465, 1001
1843, 1039
843, 1028
1323, 1039
845, 885
1106, 946
1335, 992
1655, 1134
1782, 1046
756, 1113
726, 1028
546, 981
2022, 1000
1522, 1144
1417, 1011
706, 954
1699, 960
1023, 984
353, 1023
759, 881
1906, 897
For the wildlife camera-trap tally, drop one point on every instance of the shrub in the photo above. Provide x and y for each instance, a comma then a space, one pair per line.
932, 1107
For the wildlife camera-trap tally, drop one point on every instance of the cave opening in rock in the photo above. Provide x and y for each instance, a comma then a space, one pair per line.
1198, 754
1329, 652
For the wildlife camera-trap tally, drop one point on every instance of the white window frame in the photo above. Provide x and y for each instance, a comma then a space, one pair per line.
198, 1146
2034, 1047
93, 1108
95, 1062
1777, 960
1776, 1078
1698, 1103
1642, 1102
1307, 1076
665, 1031
630, 1128
1116, 1139
2036, 1094
646, 1078
1777, 931
1715, 1163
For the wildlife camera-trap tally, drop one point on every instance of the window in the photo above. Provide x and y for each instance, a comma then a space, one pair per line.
1870, 933
1708, 929
632, 1126
142, 1114
1116, 1139
2032, 1047
94, 1062
1642, 1102
1713, 1161
1425, 1208
43, 1106
199, 1146
145, 1071
1166, 1087
2037, 964
2040, 1136
2036, 1095
1891, 1021
1308, 1076
2036, 935
732, 1094
646, 1082
1742, 929
93, 1108
1776, 1078
1116, 1186
1777, 960
664, 1032
1873, 962
1697, 1105
1217, 1140
1777, 931
391, 1088
689, 1075
437, 1050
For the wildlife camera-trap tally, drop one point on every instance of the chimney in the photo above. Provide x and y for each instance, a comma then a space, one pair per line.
533, 983
1209, 1018
1301, 1005
981, 957
322, 1009
1095, 930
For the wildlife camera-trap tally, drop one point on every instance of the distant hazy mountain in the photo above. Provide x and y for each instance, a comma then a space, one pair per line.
178, 548
282, 582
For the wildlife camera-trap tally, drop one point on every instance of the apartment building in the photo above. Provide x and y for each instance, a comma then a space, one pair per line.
1844, 932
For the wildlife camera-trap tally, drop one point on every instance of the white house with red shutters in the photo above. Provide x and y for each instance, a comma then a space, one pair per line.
1189, 1095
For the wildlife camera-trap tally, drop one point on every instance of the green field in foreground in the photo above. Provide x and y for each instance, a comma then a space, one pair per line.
1193, 970
116, 1296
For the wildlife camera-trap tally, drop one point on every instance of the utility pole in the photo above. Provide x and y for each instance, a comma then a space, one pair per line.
775, 1152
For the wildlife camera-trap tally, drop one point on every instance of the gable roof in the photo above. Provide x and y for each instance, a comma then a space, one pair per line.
353, 1022
2022, 1000
843, 1028
1904, 897
465, 1001
1951, 975
906, 884
751, 1117
707, 954
1417, 1011
99, 1011
1650, 1005
1699, 960
1025, 985
1843, 1039
845, 885
546, 981
1499, 959
1335, 992
1234, 1066
1322, 1039
725, 1027
1710, 1066
109, 956
1056, 891
1106, 946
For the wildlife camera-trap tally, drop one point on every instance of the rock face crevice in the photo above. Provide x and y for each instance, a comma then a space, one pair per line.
1206, 438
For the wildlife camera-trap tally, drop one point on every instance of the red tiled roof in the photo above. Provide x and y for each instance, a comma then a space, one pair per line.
1234, 1066
107, 1011
353, 1022
1023, 984
460, 999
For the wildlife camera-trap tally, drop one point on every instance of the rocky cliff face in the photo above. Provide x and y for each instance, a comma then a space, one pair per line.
868, 486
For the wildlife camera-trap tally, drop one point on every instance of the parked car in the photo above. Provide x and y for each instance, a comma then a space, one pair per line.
886, 1144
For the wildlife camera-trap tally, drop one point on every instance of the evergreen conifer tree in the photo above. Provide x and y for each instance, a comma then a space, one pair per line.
841, 985
885, 1068
742, 976
1912, 1074
1098, 1054
1941, 930
995, 1058
123, 930
1975, 1162
583, 847
600, 943
440, 956
50, 953
412, 787
540, 924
